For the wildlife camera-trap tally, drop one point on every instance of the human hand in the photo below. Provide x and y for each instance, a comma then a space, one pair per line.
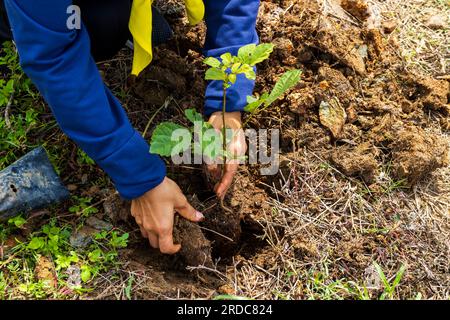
236, 148
154, 213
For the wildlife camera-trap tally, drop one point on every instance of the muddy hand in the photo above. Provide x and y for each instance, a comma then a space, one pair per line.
236, 148
154, 213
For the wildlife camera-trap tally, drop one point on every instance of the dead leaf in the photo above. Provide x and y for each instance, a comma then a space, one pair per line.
333, 116
324, 85
45, 271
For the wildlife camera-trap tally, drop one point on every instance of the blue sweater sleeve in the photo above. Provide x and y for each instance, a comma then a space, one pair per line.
231, 24
59, 62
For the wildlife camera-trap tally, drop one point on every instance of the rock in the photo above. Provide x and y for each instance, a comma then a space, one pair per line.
389, 26
83, 237
341, 46
305, 55
301, 100
437, 22
73, 276
332, 116
364, 51
336, 86
72, 187
115, 208
98, 224
373, 280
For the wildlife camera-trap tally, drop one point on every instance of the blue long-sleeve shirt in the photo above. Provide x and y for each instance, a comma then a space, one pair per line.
59, 62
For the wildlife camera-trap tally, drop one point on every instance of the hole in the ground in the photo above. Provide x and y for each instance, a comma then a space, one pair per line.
251, 242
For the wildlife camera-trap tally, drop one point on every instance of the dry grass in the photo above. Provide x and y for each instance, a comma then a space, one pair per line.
423, 48
333, 231
327, 232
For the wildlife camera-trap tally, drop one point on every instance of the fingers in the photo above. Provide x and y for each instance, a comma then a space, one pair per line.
143, 232
166, 244
184, 208
154, 212
227, 179
214, 171
153, 240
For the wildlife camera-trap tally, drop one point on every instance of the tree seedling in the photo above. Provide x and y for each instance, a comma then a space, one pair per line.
168, 141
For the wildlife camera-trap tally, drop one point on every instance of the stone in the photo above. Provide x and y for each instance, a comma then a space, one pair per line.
437, 22
98, 224
389, 26
83, 237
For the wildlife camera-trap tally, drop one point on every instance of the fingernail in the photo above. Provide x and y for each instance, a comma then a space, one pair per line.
199, 215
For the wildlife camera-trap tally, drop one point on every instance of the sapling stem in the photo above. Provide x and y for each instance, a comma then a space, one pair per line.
224, 130
224, 140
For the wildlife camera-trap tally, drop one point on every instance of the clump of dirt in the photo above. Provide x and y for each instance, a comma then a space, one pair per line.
195, 248
415, 154
356, 163
358, 8
428, 93
334, 84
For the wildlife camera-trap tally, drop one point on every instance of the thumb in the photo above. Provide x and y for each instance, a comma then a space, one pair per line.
185, 209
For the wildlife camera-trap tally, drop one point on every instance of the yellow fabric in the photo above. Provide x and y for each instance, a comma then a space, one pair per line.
141, 28
195, 10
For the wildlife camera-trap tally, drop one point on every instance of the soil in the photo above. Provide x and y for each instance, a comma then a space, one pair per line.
390, 112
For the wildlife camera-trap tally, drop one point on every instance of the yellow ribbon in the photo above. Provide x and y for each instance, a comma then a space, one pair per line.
141, 28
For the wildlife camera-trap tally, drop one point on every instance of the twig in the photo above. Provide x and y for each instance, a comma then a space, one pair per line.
10, 101
164, 106
219, 234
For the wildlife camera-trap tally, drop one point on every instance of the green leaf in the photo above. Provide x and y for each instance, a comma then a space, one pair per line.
248, 71
261, 53
227, 59
95, 255
253, 54
251, 99
235, 67
232, 78
85, 273
398, 276
381, 275
215, 74
193, 116
254, 103
212, 62
119, 242
36, 243
63, 262
286, 82
161, 142
245, 52
211, 142
18, 221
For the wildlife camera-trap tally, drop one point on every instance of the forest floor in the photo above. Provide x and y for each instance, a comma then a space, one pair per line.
361, 212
